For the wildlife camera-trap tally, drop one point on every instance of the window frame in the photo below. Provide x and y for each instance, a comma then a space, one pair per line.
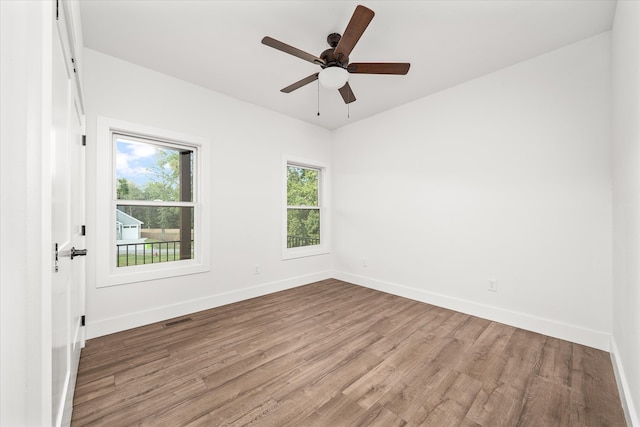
108, 274
323, 207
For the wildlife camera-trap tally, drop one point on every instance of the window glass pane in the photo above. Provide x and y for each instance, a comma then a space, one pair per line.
152, 234
303, 227
146, 171
302, 186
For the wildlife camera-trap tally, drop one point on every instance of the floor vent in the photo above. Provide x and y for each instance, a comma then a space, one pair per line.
177, 322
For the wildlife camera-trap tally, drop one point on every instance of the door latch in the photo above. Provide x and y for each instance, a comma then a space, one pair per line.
78, 252
56, 264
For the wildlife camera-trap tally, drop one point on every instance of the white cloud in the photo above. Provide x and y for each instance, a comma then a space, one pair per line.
143, 151
133, 160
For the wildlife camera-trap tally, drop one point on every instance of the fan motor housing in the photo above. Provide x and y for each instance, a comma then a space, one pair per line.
333, 39
328, 55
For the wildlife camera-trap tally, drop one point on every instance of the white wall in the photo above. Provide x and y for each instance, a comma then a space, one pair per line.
504, 177
247, 144
626, 202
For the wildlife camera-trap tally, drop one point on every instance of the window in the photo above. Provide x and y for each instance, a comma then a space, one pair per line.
154, 190
154, 198
305, 222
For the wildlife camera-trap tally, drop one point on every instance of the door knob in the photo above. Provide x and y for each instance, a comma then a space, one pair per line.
78, 252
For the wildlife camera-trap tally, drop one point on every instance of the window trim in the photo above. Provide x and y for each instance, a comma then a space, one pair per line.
107, 274
323, 206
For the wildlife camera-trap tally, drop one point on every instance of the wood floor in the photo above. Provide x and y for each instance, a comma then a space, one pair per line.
336, 354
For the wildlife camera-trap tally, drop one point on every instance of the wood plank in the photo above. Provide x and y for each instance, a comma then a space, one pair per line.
522, 355
255, 414
449, 402
556, 361
394, 337
594, 388
332, 353
141, 409
219, 395
485, 360
546, 404
379, 416
94, 389
494, 408
249, 399
149, 386
339, 410
380, 380
408, 394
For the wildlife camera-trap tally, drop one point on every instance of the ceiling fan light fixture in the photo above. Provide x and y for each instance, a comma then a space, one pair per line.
333, 77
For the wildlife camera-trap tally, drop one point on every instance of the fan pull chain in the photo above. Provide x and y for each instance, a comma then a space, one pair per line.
318, 98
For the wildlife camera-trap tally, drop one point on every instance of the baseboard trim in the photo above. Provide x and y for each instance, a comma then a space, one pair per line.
98, 328
591, 338
573, 333
630, 412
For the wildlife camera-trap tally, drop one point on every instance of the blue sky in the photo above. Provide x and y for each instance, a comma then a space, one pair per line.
135, 161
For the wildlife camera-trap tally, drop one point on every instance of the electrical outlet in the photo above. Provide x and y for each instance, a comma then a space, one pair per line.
493, 285
364, 263
256, 269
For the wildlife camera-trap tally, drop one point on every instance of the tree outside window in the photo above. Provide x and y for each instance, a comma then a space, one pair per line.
154, 190
303, 207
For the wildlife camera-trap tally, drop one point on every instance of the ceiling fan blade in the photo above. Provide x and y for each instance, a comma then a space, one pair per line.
291, 50
359, 22
379, 67
300, 83
347, 93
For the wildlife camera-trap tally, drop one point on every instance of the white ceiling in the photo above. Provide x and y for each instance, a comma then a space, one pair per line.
216, 44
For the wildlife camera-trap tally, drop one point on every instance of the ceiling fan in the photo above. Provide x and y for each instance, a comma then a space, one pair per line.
335, 60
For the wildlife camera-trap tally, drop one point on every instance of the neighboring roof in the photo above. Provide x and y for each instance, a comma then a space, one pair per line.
126, 219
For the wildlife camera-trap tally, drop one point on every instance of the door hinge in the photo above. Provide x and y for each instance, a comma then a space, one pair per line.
82, 320
73, 61
57, 10
84, 140
83, 230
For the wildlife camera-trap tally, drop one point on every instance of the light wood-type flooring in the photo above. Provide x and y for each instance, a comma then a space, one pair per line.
336, 354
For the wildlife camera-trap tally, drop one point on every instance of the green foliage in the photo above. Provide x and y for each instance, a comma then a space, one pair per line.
123, 188
303, 225
165, 186
167, 172
302, 186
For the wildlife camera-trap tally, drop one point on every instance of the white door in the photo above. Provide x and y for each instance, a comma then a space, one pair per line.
67, 154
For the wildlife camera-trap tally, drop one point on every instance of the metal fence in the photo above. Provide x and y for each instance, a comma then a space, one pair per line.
297, 241
148, 253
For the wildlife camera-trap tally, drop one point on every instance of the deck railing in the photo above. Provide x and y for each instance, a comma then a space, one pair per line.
148, 253
154, 252
297, 241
